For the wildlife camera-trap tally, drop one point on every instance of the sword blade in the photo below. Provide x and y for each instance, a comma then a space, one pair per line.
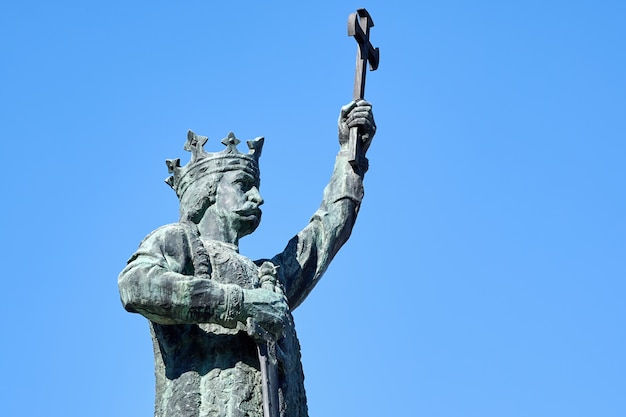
269, 378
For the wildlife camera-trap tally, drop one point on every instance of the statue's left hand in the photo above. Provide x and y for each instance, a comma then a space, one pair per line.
359, 114
266, 308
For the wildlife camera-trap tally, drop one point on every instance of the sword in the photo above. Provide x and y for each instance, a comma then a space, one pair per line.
267, 347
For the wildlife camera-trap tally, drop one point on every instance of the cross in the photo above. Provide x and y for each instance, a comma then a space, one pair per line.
359, 24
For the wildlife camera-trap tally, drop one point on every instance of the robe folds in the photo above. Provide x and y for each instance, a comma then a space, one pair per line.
205, 362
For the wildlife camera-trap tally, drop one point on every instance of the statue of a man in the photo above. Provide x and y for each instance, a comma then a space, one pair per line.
200, 295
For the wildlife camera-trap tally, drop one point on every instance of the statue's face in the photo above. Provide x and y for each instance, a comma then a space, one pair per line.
237, 201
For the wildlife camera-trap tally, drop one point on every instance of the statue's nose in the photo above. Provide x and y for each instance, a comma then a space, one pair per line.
255, 196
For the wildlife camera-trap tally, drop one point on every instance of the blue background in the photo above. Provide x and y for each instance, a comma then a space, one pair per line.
485, 275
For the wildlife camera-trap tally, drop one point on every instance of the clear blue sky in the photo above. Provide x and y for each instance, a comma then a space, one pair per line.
486, 274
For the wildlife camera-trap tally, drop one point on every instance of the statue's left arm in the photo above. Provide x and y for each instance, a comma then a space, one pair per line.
309, 253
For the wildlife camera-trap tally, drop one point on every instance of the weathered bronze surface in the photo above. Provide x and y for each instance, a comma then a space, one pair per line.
222, 327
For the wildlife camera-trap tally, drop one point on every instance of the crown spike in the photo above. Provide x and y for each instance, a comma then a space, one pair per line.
172, 164
231, 143
195, 144
256, 147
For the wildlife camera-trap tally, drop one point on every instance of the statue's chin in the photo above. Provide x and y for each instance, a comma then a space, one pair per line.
249, 223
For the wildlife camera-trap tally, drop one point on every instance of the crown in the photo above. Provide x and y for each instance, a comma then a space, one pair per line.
204, 163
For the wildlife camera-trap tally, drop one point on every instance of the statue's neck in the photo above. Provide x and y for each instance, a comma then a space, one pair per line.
217, 228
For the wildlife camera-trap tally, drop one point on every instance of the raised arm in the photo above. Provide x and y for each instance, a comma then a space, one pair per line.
309, 253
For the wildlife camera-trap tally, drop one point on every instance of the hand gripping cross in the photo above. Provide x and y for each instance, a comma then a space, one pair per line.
359, 24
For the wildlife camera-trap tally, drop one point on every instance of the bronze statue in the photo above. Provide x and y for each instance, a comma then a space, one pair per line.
221, 324
224, 339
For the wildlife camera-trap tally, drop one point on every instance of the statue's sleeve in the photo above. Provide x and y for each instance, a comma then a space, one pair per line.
159, 283
308, 254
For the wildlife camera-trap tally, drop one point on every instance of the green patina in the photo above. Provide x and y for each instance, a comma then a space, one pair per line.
221, 324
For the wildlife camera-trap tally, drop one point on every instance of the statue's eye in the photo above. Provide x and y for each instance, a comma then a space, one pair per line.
243, 183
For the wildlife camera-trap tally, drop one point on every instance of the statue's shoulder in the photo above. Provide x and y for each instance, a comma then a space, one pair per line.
169, 234
173, 240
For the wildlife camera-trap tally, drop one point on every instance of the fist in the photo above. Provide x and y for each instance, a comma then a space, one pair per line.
357, 114
266, 308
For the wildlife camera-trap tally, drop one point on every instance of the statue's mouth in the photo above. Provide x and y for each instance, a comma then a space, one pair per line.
249, 212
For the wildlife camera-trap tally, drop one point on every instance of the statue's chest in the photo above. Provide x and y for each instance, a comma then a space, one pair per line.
229, 267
